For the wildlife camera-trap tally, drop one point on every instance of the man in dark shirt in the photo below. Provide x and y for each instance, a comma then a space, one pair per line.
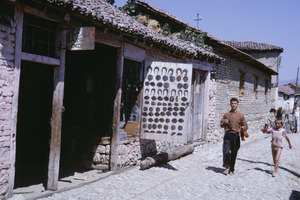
233, 123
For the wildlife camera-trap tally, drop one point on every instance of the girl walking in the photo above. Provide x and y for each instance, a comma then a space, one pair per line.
278, 134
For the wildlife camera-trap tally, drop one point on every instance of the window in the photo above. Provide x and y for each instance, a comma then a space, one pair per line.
38, 36
131, 89
242, 84
286, 97
255, 86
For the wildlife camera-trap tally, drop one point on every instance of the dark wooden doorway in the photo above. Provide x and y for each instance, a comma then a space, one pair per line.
88, 101
33, 125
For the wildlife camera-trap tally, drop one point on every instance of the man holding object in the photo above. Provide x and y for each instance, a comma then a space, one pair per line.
233, 123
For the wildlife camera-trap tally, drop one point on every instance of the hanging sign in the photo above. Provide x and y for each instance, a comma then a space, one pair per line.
82, 38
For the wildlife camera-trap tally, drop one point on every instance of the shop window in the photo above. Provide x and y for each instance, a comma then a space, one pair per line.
131, 91
38, 36
255, 86
242, 84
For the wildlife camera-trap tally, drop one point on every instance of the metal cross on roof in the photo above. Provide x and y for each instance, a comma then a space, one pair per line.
197, 19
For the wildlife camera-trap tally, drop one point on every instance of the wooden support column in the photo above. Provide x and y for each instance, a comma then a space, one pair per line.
57, 109
116, 116
17, 71
206, 104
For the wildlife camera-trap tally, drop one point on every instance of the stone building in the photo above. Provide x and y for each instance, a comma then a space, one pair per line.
84, 86
267, 54
287, 96
248, 71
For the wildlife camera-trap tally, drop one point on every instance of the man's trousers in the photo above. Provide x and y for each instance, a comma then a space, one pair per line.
231, 145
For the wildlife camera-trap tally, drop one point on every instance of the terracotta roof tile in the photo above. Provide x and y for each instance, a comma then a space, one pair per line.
253, 46
113, 17
234, 51
286, 90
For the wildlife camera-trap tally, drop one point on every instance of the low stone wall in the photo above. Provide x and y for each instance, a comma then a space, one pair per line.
132, 150
101, 154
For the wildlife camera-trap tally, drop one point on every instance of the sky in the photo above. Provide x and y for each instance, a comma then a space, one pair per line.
275, 22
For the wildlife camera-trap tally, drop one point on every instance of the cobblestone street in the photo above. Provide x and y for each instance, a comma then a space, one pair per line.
199, 176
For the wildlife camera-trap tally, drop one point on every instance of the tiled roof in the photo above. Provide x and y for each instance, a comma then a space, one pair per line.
222, 46
253, 46
293, 84
286, 90
112, 17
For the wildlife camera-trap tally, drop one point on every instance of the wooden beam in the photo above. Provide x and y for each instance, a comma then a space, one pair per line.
107, 39
162, 158
134, 53
40, 59
19, 15
38, 13
56, 119
116, 116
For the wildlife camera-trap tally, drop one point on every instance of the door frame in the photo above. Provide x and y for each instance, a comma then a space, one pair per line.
57, 105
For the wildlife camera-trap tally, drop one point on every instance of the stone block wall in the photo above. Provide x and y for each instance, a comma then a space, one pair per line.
270, 59
133, 150
226, 85
7, 44
101, 153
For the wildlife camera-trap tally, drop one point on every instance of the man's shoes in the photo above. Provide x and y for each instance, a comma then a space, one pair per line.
226, 171
232, 173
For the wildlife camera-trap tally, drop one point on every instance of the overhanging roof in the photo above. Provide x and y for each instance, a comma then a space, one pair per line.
220, 46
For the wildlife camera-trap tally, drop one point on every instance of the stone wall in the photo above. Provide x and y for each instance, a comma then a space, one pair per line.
226, 85
270, 59
7, 44
133, 149
101, 153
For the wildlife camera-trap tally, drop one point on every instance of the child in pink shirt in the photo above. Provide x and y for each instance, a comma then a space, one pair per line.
277, 136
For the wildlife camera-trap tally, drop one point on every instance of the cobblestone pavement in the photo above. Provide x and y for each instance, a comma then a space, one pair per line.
199, 176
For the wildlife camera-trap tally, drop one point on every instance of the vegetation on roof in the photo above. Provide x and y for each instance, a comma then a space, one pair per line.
130, 8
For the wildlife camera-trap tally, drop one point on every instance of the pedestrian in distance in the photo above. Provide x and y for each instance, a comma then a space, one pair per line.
233, 123
296, 112
278, 133
271, 117
279, 113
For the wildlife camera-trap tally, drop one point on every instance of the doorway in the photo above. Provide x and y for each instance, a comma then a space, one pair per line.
88, 101
33, 125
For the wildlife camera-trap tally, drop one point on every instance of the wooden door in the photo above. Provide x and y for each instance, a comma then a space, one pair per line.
166, 102
198, 102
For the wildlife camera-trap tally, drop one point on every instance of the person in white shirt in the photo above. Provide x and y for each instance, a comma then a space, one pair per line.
296, 112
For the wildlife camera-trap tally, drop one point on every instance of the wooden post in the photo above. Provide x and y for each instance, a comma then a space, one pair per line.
205, 104
17, 71
116, 116
56, 119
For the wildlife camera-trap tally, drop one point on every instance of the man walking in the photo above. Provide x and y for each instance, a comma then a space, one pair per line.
233, 123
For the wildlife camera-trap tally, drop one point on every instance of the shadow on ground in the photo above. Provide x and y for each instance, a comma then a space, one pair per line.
288, 170
167, 166
215, 169
295, 195
263, 170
